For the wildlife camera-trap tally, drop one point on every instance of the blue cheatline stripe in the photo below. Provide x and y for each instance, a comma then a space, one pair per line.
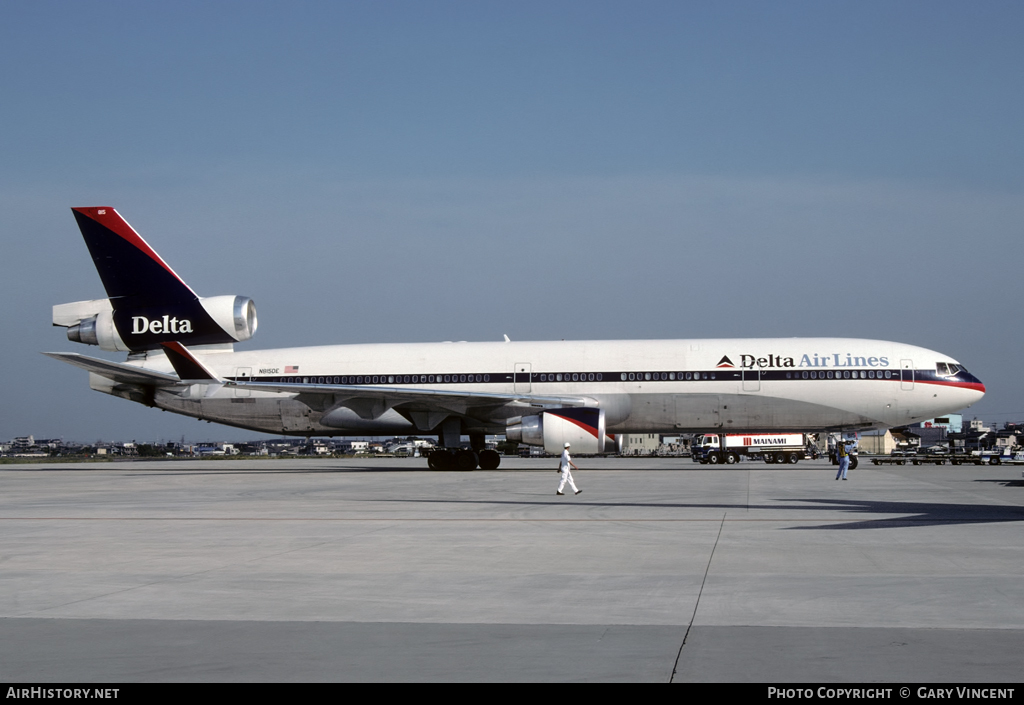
795, 375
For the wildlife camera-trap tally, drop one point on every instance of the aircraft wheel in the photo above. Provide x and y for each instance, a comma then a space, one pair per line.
489, 460
440, 460
466, 460
714, 459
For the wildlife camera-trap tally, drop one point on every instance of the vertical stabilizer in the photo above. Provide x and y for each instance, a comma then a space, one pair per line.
132, 272
149, 303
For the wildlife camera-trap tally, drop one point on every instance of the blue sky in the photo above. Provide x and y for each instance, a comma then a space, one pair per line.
416, 171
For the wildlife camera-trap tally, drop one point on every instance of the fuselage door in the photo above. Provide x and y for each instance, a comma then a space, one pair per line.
521, 377
751, 379
906, 374
242, 374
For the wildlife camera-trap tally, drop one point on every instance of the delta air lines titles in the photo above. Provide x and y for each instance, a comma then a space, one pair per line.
815, 360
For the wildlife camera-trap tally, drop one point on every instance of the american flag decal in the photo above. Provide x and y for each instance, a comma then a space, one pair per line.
291, 369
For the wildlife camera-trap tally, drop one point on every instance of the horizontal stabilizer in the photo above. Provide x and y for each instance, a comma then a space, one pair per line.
116, 371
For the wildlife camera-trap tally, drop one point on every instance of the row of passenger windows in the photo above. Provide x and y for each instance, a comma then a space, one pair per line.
389, 379
574, 377
845, 374
650, 376
624, 376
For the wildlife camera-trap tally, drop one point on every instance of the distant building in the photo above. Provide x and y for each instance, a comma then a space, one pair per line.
639, 443
978, 426
877, 443
953, 423
216, 449
22, 443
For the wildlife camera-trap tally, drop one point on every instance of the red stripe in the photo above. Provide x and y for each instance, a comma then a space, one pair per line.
976, 386
589, 429
178, 348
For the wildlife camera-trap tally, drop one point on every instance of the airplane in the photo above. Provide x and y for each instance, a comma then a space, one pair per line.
181, 358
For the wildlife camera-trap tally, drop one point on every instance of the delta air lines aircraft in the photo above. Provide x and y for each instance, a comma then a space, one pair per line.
181, 358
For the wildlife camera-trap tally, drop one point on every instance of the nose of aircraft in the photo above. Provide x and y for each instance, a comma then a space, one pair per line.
972, 386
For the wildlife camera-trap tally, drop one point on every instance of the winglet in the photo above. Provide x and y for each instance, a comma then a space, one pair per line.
187, 366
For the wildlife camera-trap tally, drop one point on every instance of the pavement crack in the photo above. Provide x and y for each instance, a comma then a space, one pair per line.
696, 604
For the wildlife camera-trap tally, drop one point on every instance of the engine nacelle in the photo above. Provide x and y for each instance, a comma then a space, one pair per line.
235, 314
209, 321
582, 427
98, 330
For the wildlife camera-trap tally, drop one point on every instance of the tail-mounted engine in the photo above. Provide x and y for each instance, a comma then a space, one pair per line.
201, 321
581, 427
147, 304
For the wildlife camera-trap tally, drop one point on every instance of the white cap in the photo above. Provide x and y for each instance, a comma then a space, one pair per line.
566, 445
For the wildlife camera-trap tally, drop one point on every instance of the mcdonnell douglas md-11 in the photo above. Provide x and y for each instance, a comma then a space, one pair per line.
181, 358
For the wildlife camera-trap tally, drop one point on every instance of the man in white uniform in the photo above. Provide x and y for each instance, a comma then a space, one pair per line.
566, 475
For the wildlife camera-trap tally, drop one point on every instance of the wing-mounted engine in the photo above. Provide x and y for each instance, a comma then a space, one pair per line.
202, 321
582, 427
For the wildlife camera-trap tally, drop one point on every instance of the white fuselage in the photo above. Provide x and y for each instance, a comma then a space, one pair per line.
644, 386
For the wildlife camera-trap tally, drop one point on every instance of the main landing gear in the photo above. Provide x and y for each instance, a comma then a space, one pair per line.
463, 459
449, 456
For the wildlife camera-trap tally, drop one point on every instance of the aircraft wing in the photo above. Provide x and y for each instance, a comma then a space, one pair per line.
428, 405
117, 371
371, 402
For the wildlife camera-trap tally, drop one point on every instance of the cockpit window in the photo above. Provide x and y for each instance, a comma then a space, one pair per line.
947, 369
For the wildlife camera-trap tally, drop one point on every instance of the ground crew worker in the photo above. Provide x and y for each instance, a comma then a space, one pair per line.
563, 466
843, 454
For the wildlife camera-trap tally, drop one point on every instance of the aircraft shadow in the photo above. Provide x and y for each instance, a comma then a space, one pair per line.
915, 514
1004, 483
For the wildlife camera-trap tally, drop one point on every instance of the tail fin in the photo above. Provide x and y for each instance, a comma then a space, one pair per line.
149, 304
132, 272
